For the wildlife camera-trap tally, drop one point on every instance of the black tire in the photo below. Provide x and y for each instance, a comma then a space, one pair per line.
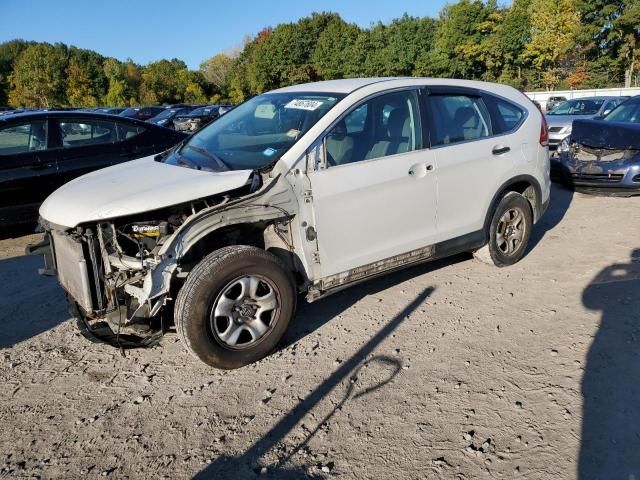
199, 296
498, 252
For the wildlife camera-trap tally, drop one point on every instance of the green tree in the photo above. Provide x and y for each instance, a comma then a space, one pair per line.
9, 52
217, 70
554, 30
164, 81
80, 91
38, 78
459, 39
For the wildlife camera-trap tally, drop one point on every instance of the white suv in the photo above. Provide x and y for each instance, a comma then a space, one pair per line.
306, 189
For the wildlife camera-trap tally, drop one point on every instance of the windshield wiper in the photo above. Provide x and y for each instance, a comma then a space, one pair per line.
210, 156
184, 161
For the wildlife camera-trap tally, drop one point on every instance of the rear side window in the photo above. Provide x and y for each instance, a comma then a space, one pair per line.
457, 118
27, 137
81, 133
126, 131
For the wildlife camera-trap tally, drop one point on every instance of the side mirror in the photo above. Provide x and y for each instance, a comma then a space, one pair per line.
599, 117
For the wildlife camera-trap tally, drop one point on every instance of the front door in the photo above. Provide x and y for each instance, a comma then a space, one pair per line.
375, 196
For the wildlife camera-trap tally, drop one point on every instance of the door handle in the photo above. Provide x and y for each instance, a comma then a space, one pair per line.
420, 170
500, 149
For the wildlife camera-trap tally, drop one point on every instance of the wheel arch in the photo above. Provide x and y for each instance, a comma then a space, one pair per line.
527, 186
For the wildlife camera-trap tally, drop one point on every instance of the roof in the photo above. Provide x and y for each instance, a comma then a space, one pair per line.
65, 114
345, 85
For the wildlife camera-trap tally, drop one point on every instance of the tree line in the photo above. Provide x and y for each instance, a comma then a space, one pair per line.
529, 44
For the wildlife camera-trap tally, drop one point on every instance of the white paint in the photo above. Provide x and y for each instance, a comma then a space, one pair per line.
133, 187
371, 210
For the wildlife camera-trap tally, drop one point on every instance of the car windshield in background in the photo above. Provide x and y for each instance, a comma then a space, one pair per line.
169, 112
578, 107
255, 134
202, 111
627, 112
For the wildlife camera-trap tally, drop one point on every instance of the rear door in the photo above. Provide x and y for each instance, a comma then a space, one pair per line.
27, 169
85, 145
469, 158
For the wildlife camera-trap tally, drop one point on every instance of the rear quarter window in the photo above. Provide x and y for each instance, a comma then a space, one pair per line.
506, 116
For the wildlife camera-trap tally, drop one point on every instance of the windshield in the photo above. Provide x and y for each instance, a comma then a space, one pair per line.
169, 113
627, 112
255, 134
129, 111
578, 106
203, 110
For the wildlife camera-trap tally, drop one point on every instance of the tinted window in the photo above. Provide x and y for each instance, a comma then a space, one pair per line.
383, 126
126, 131
27, 137
457, 118
79, 133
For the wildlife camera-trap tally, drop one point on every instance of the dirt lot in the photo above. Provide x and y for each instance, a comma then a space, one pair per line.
450, 370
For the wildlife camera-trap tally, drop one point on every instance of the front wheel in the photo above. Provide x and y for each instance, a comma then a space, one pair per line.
509, 231
235, 306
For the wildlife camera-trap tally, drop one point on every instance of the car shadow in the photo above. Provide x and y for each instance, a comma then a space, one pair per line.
610, 440
561, 199
311, 316
30, 304
247, 464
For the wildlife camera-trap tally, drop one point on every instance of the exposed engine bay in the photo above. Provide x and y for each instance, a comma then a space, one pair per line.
106, 268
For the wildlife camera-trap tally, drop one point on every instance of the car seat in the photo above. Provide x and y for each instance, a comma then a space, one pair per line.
339, 145
398, 135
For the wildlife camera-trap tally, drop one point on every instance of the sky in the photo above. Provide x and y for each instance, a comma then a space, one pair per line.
192, 30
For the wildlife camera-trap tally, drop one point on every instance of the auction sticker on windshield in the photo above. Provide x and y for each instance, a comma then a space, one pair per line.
304, 104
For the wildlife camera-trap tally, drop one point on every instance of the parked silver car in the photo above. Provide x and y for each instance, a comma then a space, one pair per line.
561, 118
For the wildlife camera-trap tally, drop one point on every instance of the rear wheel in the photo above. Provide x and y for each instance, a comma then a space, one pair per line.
509, 231
235, 306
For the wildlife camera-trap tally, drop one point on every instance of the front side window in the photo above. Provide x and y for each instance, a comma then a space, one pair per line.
80, 133
457, 118
26, 137
385, 125
255, 134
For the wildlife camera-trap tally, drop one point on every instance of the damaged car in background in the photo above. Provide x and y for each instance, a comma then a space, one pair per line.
304, 190
603, 155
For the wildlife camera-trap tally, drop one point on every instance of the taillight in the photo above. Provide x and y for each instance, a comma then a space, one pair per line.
544, 133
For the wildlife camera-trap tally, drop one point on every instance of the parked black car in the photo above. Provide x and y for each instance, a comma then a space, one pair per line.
603, 154
199, 117
165, 118
40, 151
141, 113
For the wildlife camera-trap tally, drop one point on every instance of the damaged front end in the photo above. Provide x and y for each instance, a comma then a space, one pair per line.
600, 157
105, 268
119, 274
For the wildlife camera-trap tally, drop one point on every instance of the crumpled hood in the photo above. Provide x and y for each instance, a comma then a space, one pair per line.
609, 135
134, 187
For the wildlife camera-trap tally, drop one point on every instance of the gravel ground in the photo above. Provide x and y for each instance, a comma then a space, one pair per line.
448, 370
